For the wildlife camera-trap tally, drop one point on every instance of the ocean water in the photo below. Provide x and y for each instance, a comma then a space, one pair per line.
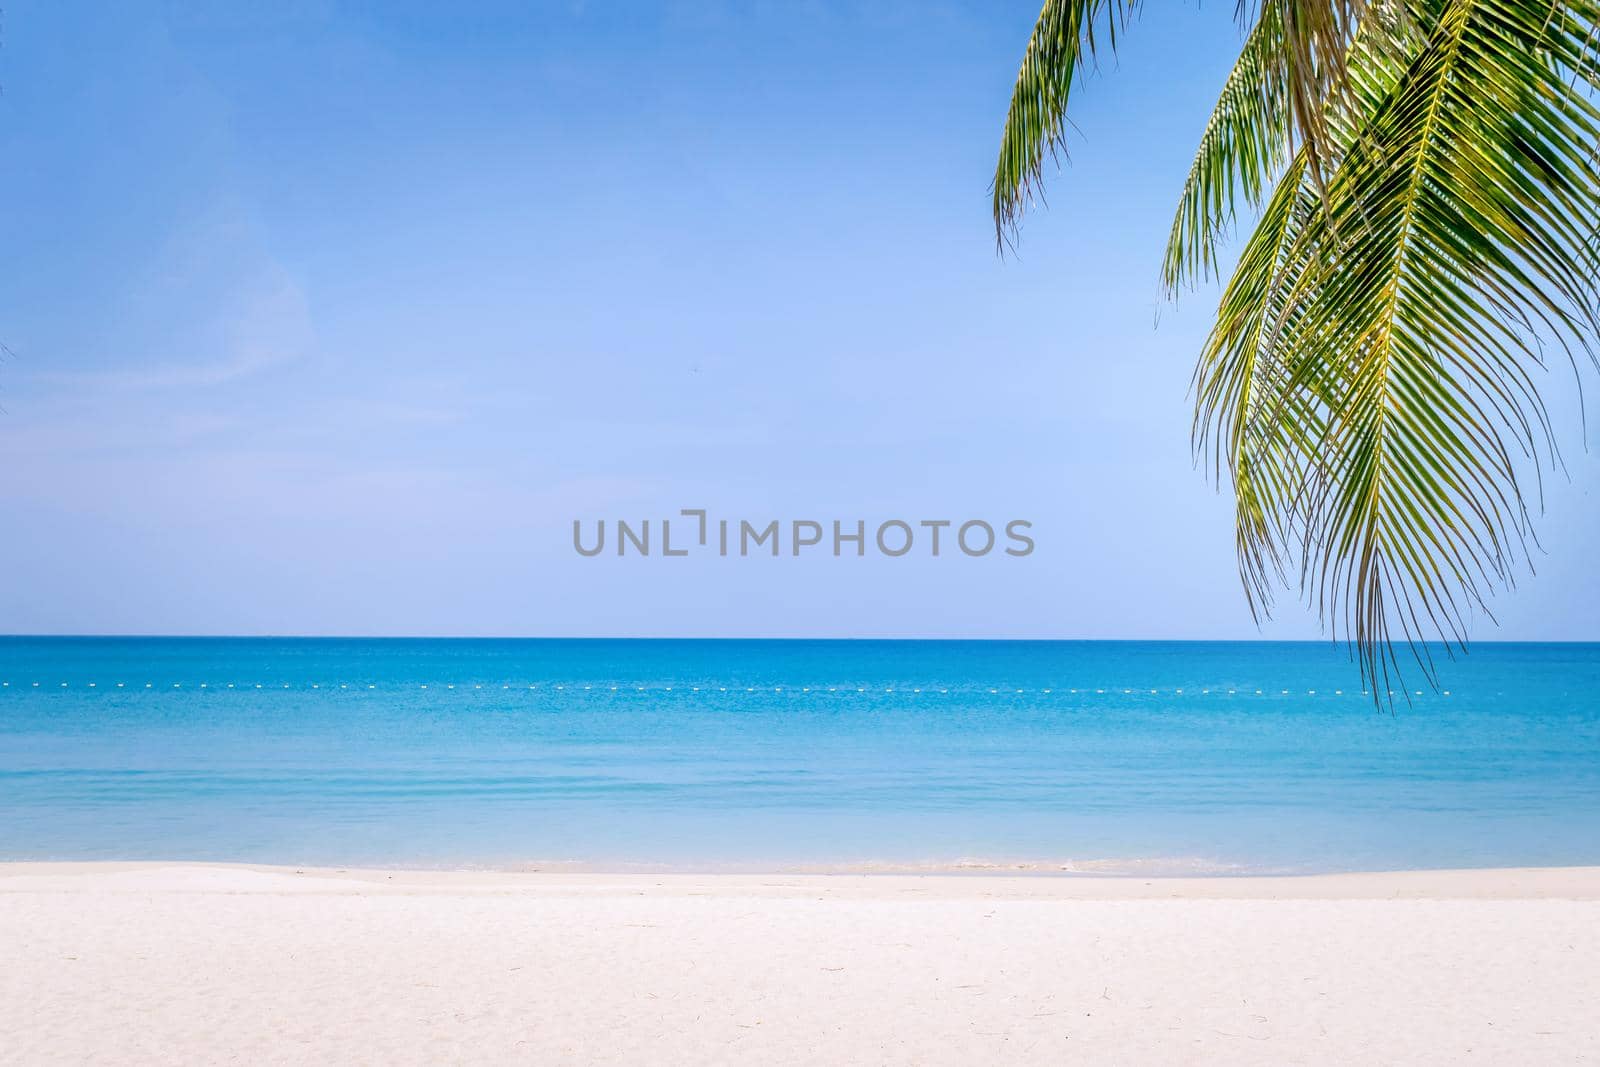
1090, 756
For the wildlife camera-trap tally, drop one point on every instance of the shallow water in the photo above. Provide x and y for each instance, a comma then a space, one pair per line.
1127, 756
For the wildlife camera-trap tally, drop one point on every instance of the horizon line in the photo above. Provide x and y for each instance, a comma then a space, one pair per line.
1464, 649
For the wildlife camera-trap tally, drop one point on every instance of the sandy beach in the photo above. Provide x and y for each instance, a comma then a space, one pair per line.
175, 963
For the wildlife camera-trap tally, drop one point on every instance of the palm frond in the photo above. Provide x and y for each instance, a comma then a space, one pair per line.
1241, 153
1396, 390
1248, 420
1062, 39
1290, 93
1314, 38
1252, 417
1371, 384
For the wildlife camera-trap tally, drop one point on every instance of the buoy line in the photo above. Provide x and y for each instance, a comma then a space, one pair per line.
899, 689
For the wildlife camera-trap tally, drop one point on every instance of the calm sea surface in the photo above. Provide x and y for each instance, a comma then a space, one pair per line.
706, 754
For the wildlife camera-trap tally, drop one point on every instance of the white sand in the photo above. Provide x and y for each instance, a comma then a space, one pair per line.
128, 963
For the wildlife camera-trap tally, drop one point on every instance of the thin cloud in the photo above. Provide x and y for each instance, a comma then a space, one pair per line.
266, 328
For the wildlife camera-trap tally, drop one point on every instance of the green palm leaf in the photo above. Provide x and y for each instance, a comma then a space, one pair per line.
1279, 92
1425, 241
1292, 67
1062, 40
1241, 153
1455, 245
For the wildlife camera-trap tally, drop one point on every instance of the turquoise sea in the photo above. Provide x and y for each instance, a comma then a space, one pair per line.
1122, 756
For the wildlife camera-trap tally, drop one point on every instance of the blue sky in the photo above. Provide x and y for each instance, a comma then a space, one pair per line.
332, 318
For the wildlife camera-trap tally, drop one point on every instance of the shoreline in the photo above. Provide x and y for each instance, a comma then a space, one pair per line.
1044, 883
156, 963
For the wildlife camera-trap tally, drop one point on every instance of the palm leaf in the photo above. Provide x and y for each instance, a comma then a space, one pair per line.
1241, 153
1455, 248
1063, 38
1371, 382
1237, 376
1295, 55
1252, 415
1292, 67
